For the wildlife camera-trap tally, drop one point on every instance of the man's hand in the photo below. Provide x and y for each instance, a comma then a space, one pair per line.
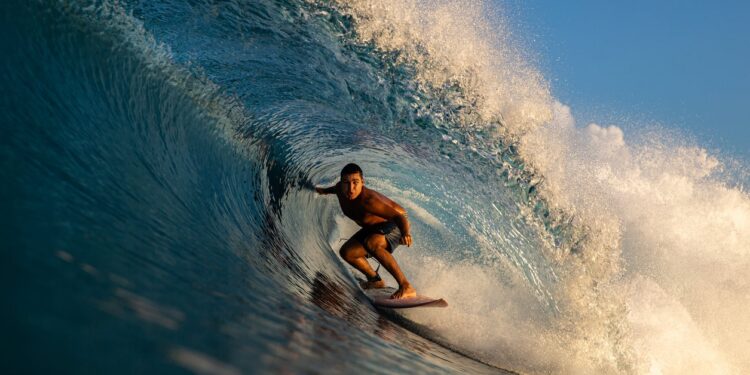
406, 240
319, 190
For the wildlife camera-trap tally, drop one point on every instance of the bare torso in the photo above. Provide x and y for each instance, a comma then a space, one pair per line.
357, 211
367, 208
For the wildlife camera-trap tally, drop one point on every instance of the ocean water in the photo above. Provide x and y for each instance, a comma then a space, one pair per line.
157, 161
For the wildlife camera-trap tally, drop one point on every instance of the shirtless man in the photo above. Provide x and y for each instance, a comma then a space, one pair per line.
384, 227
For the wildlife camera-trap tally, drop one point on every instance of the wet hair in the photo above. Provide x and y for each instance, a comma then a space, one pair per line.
352, 168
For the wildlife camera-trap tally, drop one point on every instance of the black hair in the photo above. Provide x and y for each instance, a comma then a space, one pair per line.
352, 168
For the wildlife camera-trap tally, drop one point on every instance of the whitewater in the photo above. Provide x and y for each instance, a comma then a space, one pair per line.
158, 159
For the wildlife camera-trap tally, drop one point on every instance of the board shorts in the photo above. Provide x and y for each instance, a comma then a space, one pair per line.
388, 228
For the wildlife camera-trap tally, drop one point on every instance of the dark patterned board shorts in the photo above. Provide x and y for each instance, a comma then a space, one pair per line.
389, 229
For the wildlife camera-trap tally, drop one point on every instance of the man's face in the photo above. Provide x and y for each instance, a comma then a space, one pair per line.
352, 185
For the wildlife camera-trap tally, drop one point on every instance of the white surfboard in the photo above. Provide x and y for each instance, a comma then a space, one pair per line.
382, 298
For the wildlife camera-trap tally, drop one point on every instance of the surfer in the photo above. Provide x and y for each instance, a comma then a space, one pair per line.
384, 226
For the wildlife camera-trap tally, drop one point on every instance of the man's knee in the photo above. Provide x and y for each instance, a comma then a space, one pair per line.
376, 243
349, 252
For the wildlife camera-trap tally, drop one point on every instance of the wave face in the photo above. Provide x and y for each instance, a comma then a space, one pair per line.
158, 159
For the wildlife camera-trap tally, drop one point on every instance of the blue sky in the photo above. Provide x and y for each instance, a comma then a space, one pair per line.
681, 64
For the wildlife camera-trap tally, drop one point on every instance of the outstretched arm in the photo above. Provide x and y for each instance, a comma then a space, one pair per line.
328, 190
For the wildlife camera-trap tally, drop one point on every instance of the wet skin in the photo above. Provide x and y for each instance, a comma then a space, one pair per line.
367, 207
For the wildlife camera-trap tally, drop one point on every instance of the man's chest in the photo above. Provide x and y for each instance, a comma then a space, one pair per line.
353, 211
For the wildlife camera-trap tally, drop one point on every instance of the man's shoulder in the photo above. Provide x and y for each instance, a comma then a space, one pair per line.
372, 196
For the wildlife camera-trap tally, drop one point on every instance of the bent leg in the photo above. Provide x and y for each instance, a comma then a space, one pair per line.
379, 249
354, 253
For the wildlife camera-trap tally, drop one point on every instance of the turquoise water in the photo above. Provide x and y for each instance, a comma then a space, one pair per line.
157, 160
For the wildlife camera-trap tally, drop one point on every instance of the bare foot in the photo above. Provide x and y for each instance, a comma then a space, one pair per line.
404, 291
372, 284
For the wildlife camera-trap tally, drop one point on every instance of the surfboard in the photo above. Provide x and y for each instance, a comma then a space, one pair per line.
382, 298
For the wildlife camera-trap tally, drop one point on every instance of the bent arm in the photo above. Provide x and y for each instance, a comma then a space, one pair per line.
403, 225
396, 214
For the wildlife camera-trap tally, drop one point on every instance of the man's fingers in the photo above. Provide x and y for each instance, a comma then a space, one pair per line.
406, 240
